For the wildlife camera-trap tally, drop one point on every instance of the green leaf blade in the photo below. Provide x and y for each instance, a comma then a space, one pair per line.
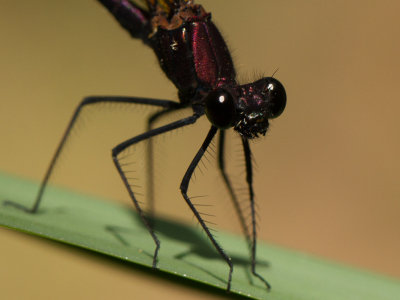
115, 230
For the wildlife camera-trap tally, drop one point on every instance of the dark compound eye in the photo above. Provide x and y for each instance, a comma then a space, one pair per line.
220, 108
275, 96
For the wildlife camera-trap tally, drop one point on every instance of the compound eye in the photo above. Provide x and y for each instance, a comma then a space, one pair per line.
275, 96
220, 108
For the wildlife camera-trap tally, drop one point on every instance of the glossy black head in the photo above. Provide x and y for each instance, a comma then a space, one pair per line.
257, 102
248, 107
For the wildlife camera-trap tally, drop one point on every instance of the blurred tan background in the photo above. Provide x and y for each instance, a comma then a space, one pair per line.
328, 172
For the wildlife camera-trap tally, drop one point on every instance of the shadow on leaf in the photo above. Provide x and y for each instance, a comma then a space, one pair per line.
197, 244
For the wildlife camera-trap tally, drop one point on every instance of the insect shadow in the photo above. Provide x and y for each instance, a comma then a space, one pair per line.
197, 244
15, 204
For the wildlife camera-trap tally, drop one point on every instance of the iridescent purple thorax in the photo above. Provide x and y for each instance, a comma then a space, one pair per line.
190, 50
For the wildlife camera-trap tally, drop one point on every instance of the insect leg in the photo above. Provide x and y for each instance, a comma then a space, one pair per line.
249, 179
221, 166
121, 147
149, 158
85, 102
184, 188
